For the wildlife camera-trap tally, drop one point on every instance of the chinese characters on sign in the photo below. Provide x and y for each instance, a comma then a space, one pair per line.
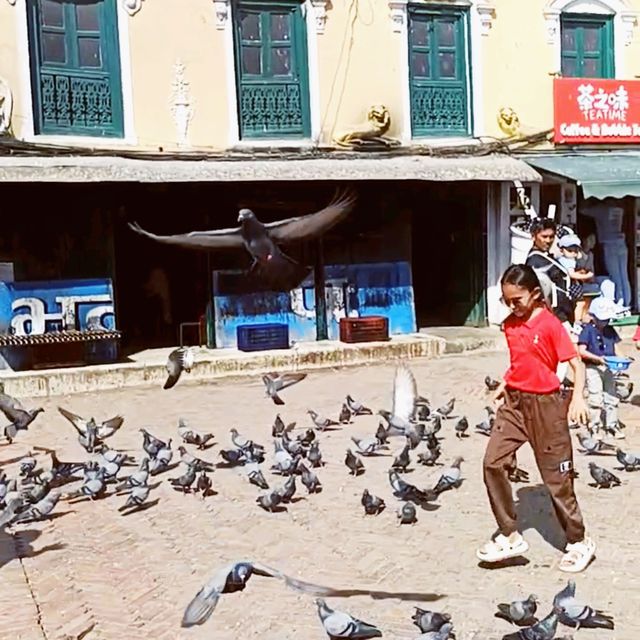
593, 110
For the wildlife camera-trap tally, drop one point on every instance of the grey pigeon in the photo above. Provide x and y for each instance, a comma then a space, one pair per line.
357, 408
204, 484
279, 428
353, 463
309, 479
603, 478
314, 455
407, 514
160, 462
430, 456
485, 427
629, 461
19, 418
403, 401
461, 427
446, 410
239, 441
276, 382
233, 456
372, 504
28, 466
402, 460
179, 360
436, 424
14, 506
428, 621
491, 384
288, 490
543, 630
306, 438
408, 492
41, 509
104, 430
592, 445
338, 624
520, 612
136, 498
92, 486
269, 501
321, 422
229, 579
255, 476
414, 434
345, 414
382, 435
112, 455
443, 633
451, 477
575, 614
184, 481
422, 413
273, 268
151, 444
368, 446
139, 478
198, 463
191, 436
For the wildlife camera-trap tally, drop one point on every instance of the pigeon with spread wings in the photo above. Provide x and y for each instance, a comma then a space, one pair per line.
273, 267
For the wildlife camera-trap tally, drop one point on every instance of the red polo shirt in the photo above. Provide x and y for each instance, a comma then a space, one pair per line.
536, 347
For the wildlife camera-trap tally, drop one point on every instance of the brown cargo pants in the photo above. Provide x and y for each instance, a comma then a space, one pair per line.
541, 420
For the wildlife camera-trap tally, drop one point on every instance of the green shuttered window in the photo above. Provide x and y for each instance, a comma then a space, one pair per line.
271, 70
587, 46
438, 62
75, 67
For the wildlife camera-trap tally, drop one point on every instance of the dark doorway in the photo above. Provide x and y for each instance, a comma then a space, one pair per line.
448, 253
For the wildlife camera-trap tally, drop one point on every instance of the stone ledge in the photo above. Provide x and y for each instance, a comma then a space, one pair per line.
149, 368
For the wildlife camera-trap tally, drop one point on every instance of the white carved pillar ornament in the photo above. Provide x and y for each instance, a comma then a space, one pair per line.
223, 13
132, 6
398, 13
629, 21
320, 11
181, 103
487, 13
552, 24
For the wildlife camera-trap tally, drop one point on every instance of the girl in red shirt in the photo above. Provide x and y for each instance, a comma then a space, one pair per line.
534, 411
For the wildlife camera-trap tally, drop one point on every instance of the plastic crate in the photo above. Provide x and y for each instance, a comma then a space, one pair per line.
367, 329
262, 337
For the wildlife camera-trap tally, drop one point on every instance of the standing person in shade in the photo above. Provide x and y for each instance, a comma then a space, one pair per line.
534, 411
597, 340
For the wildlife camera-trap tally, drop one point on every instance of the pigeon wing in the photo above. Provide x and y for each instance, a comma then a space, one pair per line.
78, 422
214, 239
9, 402
312, 224
404, 393
289, 379
108, 427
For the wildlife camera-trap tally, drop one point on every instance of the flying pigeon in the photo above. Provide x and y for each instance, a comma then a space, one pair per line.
229, 579
357, 408
603, 478
428, 621
179, 360
276, 382
372, 504
273, 267
338, 624
19, 418
103, 430
520, 612
404, 397
575, 614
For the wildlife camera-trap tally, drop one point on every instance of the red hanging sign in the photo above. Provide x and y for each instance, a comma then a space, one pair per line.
593, 110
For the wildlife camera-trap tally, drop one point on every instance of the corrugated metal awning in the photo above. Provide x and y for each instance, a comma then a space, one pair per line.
600, 174
401, 167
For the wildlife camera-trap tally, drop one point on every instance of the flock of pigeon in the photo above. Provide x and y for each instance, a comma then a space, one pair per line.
296, 456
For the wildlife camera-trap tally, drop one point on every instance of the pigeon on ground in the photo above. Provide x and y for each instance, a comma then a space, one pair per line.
519, 612
428, 621
415, 434
403, 401
270, 265
294, 447
136, 498
229, 579
461, 427
191, 436
233, 456
279, 428
92, 487
269, 501
28, 466
179, 360
449, 478
368, 446
491, 384
430, 456
288, 490
408, 492
19, 418
485, 427
591, 445
436, 424
629, 461
357, 408
446, 410
309, 479
321, 422
276, 382
40, 509
113, 455
575, 614
382, 434
353, 463
407, 515
443, 633
255, 476
162, 459
204, 484
151, 444
402, 460
314, 455
603, 478
138, 478
306, 438
338, 624
345, 415
184, 481
239, 441
12, 510
284, 463
543, 630
372, 504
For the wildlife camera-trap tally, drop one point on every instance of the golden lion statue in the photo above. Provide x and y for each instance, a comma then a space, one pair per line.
378, 123
508, 121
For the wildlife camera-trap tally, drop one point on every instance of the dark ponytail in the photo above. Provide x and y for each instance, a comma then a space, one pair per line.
521, 275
